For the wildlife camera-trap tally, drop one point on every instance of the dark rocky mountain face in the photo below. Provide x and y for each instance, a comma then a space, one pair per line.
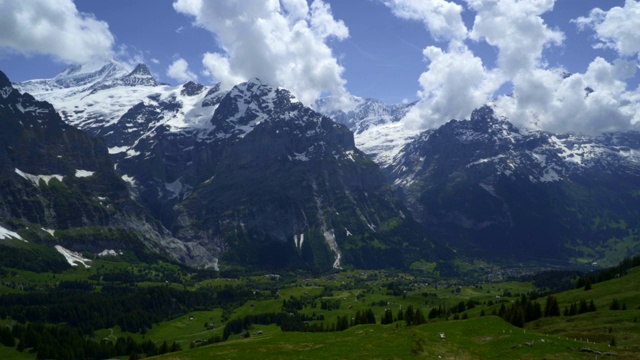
250, 177
58, 185
273, 184
496, 190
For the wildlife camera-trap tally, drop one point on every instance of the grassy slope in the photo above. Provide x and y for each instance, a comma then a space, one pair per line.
479, 338
596, 326
476, 338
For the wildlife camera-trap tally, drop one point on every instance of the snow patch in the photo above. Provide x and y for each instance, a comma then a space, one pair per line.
175, 188
50, 231
132, 153
550, 175
482, 161
84, 173
117, 149
110, 252
73, 258
6, 234
301, 157
35, 179
129, 179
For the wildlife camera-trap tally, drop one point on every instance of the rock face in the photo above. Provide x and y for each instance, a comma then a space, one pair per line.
489, 187
250, 175
58, 183
289, 187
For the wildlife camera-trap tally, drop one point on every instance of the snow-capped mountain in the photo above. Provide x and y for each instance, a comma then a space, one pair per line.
485, 184
376, 126
59, 185
249, 174
93, 96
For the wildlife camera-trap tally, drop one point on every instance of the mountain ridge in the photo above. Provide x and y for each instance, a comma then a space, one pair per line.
192, 154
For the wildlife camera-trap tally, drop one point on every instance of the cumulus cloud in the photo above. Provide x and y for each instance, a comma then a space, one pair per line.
516, 29
442, 18
281, 42
455, 83
592, 102
616, 28
179, 71
55, 28
549, 98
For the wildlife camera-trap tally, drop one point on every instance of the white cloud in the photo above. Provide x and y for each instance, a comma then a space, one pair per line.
179, 71
516, 29
455, 83
442, 18
281, 42
616, 28
594, 102
53, 27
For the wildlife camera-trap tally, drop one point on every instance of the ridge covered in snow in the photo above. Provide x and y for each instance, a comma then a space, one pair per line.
511, 151
377, 127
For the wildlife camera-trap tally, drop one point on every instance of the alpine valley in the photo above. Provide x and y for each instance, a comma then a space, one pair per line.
102, 157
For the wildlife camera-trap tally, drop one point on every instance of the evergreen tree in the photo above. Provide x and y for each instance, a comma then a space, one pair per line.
387, 318
370, 316
418, 318
615, 305
471, 304
551, 308
583, 307
408, 315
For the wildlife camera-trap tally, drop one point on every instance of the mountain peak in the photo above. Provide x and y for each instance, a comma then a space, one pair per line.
141, 70
255, 80
140, 76
191, 88
4, 81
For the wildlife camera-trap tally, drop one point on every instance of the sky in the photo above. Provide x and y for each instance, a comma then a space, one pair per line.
557, 65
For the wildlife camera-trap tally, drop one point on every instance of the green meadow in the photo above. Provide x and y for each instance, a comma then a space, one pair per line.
467, 318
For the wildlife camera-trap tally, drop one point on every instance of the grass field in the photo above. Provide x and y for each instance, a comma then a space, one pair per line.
486, 337
480, 338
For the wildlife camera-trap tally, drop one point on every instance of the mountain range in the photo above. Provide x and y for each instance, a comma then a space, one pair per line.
502, 192
246, 177
251, 177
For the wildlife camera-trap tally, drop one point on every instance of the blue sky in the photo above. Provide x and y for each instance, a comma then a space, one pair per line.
393, 50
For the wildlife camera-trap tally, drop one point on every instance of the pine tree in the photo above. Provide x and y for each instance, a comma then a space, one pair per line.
387, 318
418, 318
583, 307
615, 305
551, 308
408, 315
